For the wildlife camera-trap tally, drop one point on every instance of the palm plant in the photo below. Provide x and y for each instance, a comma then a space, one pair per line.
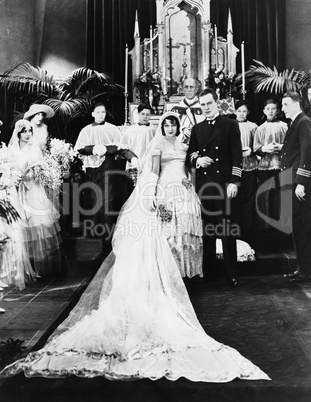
71, 99
262, 78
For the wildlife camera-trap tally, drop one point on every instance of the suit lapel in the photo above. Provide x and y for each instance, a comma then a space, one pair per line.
293, 125
213, 132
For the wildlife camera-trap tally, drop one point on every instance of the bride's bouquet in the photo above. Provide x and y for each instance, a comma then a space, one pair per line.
9, 173
64, 154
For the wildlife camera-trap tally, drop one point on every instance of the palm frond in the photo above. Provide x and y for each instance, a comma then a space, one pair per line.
75, 82
26, 79
68, 108
263, 78
7, 212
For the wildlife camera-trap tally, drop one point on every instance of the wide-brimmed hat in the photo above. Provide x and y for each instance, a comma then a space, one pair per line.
36, 108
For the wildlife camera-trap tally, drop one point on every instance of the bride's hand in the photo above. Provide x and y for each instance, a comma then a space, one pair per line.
187, 183
152, 205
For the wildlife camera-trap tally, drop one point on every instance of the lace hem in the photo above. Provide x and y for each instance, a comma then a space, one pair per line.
222, 365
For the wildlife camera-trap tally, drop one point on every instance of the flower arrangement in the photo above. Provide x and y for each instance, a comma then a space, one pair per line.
149, 81
9, 173
46, 172
224, 84
65, 156
165, 214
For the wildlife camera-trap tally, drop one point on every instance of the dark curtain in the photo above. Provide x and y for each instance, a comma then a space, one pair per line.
110, 25
261, 24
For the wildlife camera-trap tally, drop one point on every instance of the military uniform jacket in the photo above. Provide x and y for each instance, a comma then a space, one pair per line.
296, 151
220, 141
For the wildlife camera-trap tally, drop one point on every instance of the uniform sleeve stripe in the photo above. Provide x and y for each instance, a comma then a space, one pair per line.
304, 172
237, 171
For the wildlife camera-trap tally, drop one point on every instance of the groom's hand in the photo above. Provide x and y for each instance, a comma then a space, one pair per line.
204, 161
232, 190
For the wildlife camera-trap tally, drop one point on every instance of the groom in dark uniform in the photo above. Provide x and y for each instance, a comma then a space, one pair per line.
215, 152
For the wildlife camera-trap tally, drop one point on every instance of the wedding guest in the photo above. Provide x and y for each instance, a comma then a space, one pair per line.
296, 161
37, 114
268, 141
246, 194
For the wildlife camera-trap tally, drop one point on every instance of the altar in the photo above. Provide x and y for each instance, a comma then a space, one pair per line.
184, 43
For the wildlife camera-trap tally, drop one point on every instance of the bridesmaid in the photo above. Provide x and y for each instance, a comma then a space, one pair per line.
37, 115
42, 227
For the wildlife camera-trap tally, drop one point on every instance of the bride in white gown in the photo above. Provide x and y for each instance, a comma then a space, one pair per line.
135, 320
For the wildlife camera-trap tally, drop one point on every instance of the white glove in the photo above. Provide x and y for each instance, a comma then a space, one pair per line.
134, 163
99, 150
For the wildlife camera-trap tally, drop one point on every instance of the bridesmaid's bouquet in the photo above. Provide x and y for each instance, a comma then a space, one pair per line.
64, 154
165, 214
45, 172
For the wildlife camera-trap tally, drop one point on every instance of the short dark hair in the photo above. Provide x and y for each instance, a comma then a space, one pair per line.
271, 101
143, 106
22, 131
208, 91
98, 104
242, 102
172, 119
295, 96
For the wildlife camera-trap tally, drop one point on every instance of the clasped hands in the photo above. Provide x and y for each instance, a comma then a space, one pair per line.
272, 148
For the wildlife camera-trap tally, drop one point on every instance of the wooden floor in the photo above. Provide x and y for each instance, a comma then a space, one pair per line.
267, 319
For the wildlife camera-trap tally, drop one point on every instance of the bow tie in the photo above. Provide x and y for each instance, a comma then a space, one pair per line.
142, 124
273, 121
211, 122
98, 124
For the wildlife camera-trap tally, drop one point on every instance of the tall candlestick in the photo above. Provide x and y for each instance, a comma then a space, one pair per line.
151, 50
216, 48
243, 67
164, 80
126, 69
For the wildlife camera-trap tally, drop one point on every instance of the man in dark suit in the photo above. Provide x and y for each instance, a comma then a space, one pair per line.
215, 152
296, 155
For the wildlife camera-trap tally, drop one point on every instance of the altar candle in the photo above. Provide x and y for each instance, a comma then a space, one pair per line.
126, 69
243, 66
151, 50
164, 79
216, 48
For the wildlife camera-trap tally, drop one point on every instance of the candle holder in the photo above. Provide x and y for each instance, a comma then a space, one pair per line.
126, 120
243, 92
